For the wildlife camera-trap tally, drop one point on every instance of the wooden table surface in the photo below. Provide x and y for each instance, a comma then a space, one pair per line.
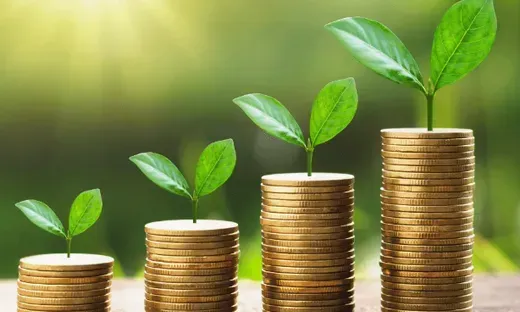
491, 294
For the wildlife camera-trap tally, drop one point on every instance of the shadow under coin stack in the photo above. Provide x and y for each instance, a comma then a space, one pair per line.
307, 242
56, 283
427, 220
191, 266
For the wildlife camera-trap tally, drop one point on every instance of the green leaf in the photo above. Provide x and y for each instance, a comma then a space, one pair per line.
333, 109
215, 166
271, 116
85, 211
378, 48
42, 215
161, 171
462, 41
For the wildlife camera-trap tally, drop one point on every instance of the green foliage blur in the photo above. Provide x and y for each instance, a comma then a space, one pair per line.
85, 84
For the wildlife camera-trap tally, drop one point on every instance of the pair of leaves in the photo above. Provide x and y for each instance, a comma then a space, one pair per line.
214, 168
85, 211
332, 111
461, 42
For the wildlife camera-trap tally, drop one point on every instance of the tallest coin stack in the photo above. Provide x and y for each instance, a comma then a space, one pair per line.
307, 242
427, 220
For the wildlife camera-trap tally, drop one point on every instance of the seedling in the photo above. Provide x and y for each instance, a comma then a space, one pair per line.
215, 166
85, 211
332, 111
461, 42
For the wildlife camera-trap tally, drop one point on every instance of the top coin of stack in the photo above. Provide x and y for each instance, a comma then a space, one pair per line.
307, 242
191, 266
53, 282
427, 219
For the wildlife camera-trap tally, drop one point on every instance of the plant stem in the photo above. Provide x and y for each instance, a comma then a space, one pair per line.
310, 152
195, 205
429, 104
69, 246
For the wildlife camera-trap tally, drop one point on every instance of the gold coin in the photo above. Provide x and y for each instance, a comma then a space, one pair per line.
188, 228
307, 257
308, 203
193, 246
341, 308
61, 308
318, 264
318, 196
192, 266
425, 268
193, 252
426, 281
89, 273
427, 222
445, 274
305, 250
197, 299
428, 248
307, 211
73, 288
63, 294
192, 239
231, 309
431, 228
415, 155
307, 290
194, 259
428, 169
465, 208
434, 142
426, 261
429, 162
64, 301
429, 148
65, 280
209, 293
418, 195
307, 216
301, 179
390, 236
427, 202
426, 255
196, 272
309, 277
426, 294
427, 300
305, 223
189, 279
303, 296
458, 216
191, 286
104, 309
383, 309
307, 237
308, 230
306, 244
60, 262
430, 287
427, 307
222, 305
349, 282
429, 175
433, 242
306, 190
429, 182
307, 303
423, 133
299, 270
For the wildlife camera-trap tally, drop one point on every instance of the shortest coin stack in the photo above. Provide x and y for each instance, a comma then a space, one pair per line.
191, 266
54, 282
307, 242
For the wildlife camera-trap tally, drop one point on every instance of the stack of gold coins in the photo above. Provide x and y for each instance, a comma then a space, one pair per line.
54, 282
307, 242
427, 220
191, 266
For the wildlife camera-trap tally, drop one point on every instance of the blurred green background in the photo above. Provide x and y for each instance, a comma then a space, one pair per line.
84, 84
